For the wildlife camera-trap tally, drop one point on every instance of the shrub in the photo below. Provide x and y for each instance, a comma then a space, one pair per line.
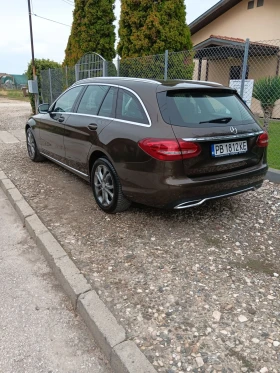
41, 64
267, 91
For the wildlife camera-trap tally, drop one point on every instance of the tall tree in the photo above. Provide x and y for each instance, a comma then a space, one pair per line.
92, 30
73, 50
150, 27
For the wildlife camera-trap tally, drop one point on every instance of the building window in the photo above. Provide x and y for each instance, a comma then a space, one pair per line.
251, 4
260, 3
236, 73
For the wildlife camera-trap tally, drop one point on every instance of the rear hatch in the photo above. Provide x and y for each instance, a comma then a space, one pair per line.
217, 121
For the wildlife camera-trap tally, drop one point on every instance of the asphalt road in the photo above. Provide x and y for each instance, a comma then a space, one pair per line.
39, 330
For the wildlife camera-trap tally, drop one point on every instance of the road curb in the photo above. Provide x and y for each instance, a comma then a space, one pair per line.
123, 355
273, 175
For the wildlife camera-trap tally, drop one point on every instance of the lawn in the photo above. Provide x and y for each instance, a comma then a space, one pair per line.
274, 145
13, 94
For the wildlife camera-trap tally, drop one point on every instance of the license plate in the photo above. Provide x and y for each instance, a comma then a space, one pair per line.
229, 148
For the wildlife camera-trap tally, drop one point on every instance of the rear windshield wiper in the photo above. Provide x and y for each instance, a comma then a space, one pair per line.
218, 120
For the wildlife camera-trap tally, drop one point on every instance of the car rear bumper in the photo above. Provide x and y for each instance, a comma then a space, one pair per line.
186, 192
198, 202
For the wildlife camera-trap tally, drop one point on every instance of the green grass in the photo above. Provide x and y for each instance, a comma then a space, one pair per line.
274, 145
13, 94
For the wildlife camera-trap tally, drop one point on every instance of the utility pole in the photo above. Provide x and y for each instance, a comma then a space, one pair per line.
32, 53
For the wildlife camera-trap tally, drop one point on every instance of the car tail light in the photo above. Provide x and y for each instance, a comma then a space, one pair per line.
262, 141
169, 150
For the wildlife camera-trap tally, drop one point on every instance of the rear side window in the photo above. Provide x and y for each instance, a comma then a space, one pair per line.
92, 99
190, 108
129, 108
109, 104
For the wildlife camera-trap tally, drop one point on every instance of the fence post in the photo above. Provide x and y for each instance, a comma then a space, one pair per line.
66, 76
77, 72
50, 80
118, 66
245, 64
105, 68
166, 65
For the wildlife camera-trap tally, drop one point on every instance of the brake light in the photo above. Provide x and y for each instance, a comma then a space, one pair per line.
262, 141
169, 150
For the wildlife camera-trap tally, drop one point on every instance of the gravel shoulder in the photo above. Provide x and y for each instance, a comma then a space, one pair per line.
197, 290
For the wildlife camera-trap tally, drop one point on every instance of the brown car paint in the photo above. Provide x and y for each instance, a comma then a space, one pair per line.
144, 179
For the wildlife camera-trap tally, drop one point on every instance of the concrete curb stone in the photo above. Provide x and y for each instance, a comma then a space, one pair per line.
50, 248
6, 184
273, 175
127, 358
102, 324
23, 209
70, 278
2, 175
14, 196
123, 355
34, 226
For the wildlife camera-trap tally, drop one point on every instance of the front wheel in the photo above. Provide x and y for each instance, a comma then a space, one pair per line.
107, 188
32, 149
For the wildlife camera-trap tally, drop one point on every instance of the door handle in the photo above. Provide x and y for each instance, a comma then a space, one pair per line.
61, 119
92, 127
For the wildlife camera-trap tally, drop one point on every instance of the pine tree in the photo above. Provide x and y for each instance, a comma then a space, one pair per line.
73, 50
98, 33
150, 27
92, 30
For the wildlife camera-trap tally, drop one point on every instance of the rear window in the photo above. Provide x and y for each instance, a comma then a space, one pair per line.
192, 108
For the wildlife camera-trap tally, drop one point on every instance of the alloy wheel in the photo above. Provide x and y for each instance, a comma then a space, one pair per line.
104, 185
31, 146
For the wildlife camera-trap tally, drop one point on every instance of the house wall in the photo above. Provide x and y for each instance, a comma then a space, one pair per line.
259, 67
257, 24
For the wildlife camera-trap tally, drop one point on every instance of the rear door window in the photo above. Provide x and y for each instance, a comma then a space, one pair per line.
129, 108
92, 99
195, 108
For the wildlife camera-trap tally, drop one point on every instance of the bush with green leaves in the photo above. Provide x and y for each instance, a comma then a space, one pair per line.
267, 91
40, 64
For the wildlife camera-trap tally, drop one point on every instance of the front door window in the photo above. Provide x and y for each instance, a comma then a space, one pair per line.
66, 101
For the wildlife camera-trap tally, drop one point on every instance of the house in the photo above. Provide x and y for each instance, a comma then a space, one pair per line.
219, 36
254, 19
13, 80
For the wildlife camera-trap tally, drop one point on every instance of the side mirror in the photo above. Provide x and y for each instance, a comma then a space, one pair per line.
43, 108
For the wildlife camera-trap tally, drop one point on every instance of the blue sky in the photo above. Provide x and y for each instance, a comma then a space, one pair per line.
50, 39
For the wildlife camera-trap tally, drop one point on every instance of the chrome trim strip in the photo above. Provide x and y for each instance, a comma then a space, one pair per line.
195, 203
63, 164
227, 137
120, 120
112, 119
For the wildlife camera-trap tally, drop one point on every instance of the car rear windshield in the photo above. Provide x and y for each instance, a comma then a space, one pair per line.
197, 108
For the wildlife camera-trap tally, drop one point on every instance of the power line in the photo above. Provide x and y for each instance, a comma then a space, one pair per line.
68, 2
51, 20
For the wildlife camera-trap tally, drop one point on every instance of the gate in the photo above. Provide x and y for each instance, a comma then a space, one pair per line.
91, 65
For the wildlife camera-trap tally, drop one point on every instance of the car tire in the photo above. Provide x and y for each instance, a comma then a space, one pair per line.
106, 187
32, 149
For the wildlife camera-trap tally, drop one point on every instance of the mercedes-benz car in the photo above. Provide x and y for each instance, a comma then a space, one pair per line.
169, 144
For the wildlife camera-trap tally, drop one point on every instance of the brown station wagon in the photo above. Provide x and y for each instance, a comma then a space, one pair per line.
169, 144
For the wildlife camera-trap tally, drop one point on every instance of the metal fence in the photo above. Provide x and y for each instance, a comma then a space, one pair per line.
253, 68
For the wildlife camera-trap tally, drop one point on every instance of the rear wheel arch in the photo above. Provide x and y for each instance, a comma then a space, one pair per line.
96, 155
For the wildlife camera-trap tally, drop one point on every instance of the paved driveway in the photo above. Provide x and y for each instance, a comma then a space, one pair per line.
39, 330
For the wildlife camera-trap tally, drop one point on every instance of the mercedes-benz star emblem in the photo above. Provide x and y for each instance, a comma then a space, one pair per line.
233, 130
